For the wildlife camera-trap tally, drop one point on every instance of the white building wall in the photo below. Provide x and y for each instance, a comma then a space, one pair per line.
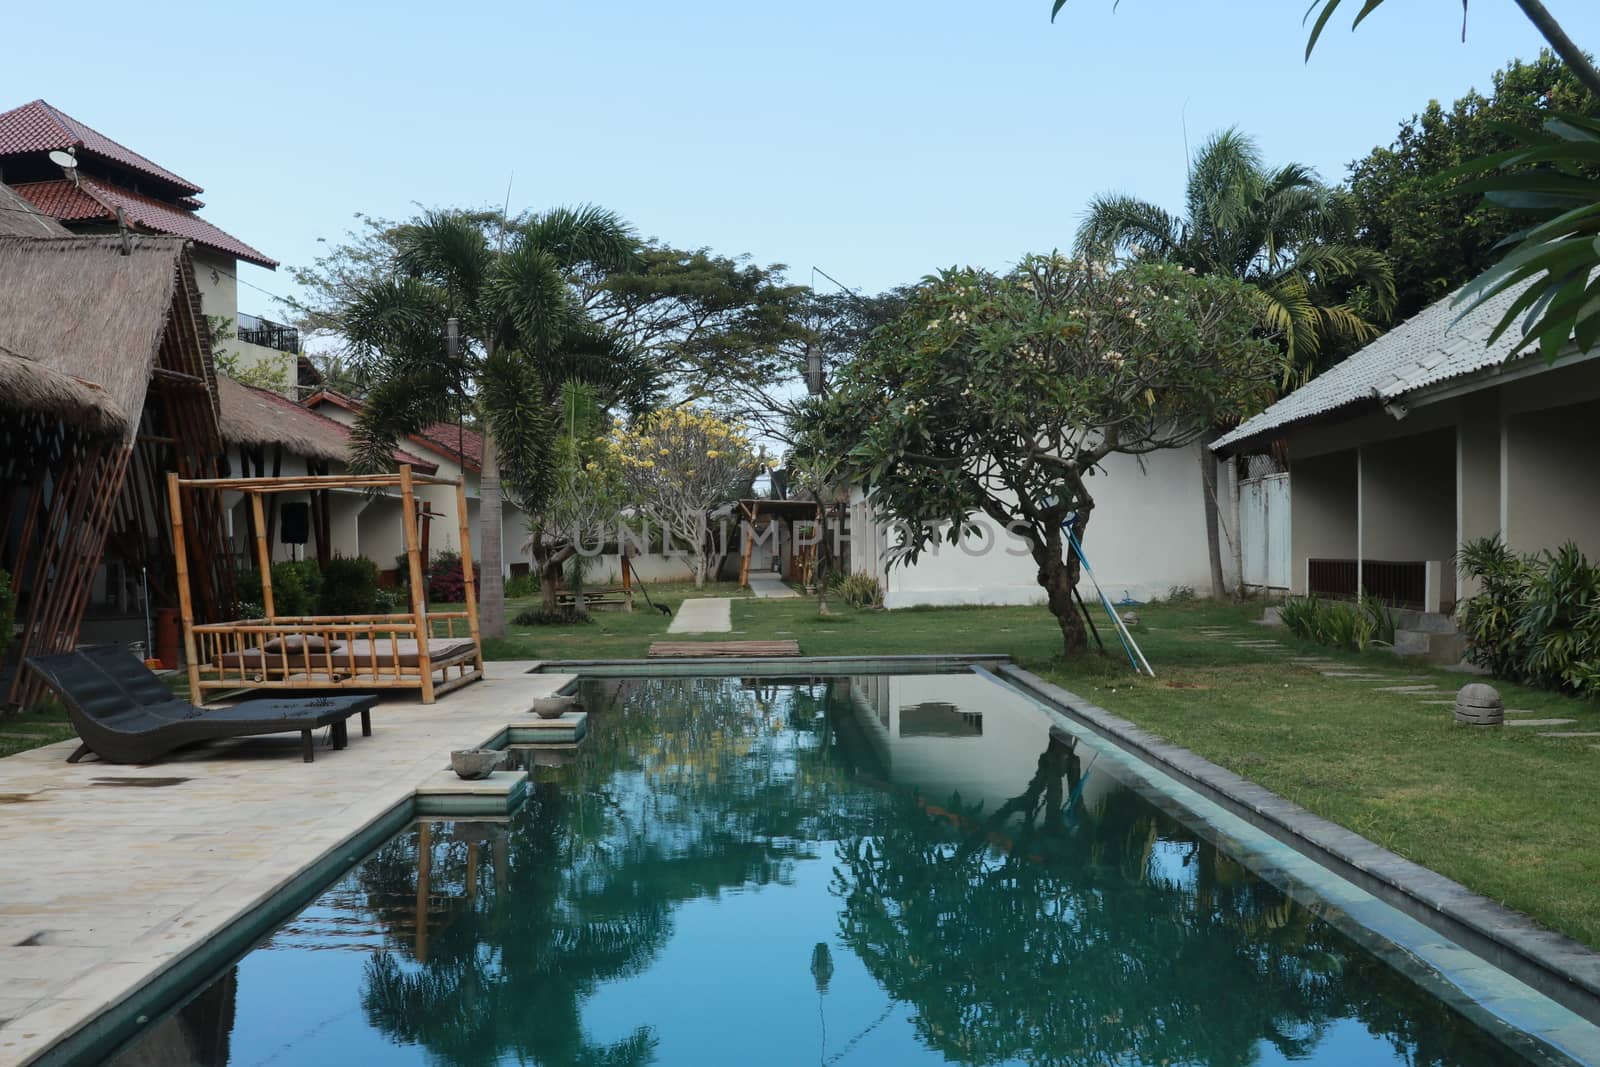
1146, 535
215, 274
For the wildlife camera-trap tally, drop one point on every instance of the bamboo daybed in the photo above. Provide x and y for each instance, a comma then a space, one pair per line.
414, 650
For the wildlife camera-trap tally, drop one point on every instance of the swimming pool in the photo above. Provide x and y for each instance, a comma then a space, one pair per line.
880, 869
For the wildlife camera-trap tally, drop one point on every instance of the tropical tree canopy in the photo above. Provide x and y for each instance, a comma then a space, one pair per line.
1002, 394
1435, 232
510, 284
1279, 229
1548, 175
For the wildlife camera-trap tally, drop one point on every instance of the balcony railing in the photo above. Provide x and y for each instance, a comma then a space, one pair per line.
268, 334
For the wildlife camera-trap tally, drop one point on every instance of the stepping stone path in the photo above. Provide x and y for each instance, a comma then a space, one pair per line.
1414, 685
703, 615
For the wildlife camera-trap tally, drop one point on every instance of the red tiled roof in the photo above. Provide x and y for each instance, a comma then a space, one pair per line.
38, 127
92, 199
462, 444
294, 410
458, 442
334, 397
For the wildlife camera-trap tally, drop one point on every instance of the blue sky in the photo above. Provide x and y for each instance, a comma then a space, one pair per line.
876, 139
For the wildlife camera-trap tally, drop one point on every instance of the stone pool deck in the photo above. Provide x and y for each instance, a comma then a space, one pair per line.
115, 873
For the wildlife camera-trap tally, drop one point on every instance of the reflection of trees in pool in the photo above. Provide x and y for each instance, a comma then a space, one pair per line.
1039, 931
1107, 935
686, 789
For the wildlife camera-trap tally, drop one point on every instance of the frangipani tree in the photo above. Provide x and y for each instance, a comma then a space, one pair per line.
1001, 394
679, 463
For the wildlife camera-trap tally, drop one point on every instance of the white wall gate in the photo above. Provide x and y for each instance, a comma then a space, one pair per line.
1264, 530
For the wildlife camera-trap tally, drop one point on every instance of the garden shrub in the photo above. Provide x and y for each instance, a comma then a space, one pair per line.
296, 589
523, 585
858, 590
446, 582
568, 616
1537, 618
8, 612
1340, 624
396, 601
349, 586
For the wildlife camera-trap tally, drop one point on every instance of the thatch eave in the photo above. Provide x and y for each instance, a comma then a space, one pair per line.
28, 386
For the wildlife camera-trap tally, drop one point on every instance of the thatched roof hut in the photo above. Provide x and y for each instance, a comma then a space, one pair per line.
94, 309
106, 384
259, 418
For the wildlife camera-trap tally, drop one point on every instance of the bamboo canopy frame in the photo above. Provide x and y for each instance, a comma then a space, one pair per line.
398, 651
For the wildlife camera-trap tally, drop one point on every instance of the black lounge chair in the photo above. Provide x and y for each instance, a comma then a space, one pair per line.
125, 714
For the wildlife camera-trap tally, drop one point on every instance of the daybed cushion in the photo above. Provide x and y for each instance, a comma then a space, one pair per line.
297, 642
294, 646
360, 656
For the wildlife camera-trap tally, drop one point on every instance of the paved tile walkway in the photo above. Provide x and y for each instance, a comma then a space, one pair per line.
769, 586
114, 873
703, 615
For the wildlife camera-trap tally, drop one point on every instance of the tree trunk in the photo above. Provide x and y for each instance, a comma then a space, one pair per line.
700, 567
1059, 577
1208, 492
549, 576
822, 564
491, 587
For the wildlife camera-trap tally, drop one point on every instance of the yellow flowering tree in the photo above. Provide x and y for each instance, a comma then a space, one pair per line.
678, 464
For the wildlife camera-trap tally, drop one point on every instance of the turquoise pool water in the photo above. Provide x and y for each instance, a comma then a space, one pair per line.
880, 870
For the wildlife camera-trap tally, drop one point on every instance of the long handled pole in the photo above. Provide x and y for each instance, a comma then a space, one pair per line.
1128, 643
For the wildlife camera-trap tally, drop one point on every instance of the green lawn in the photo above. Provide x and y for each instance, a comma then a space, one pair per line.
1506, 812
41, 725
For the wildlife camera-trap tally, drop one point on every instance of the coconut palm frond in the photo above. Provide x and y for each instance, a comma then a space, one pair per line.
396, 406
527, 295
449, 248
1122, 223
584, 235
1330, 265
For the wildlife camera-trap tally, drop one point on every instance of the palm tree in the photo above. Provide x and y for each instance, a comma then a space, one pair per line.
523, 334
1280, 230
